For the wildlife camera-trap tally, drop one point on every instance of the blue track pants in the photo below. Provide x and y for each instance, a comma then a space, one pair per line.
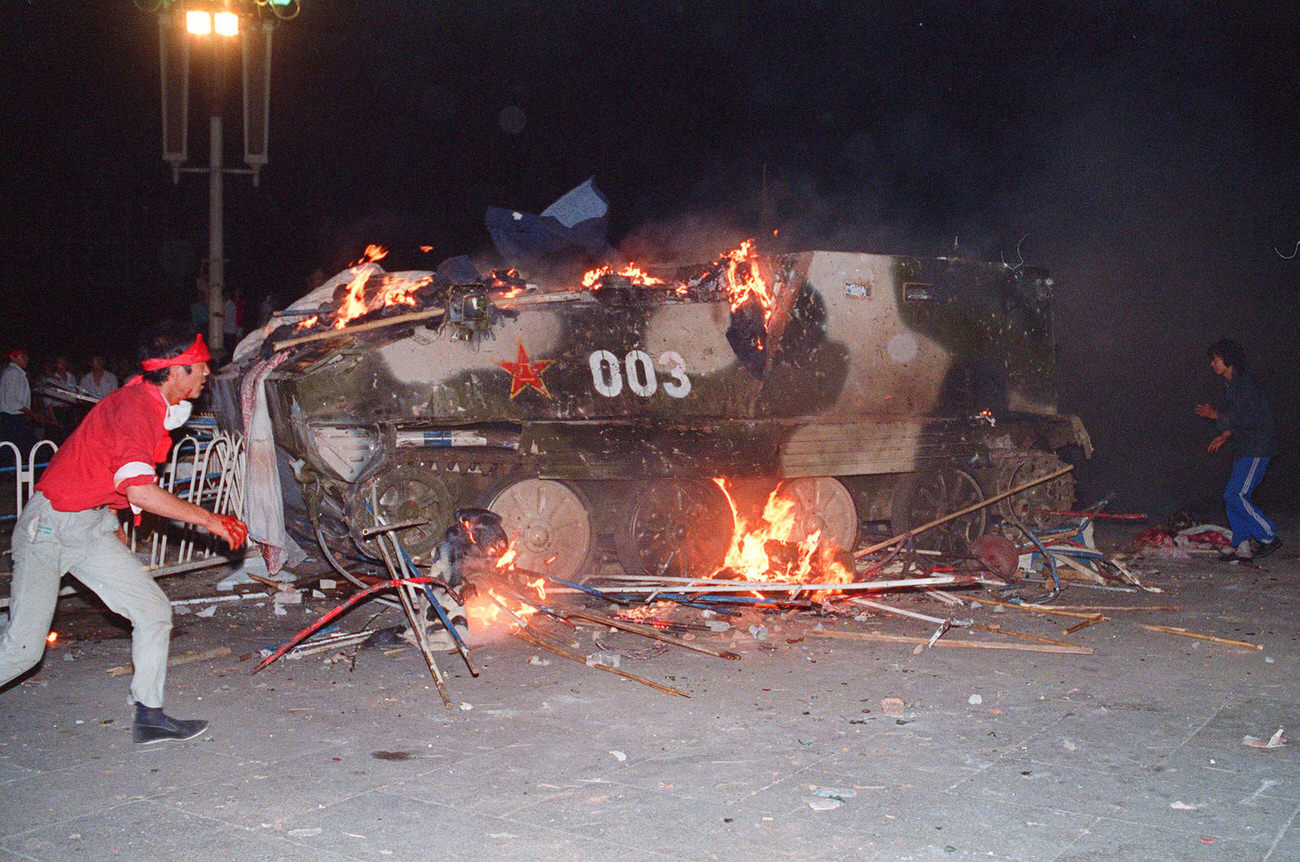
1246, 521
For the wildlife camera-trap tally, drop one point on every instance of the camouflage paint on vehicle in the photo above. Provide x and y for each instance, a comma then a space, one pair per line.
868, 366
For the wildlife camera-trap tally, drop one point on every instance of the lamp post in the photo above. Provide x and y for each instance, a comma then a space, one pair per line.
221, 25
217, 29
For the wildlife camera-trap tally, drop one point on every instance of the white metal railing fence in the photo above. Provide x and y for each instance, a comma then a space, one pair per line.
21, 471
204, 469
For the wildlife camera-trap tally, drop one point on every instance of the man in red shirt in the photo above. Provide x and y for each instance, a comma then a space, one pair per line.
69, 525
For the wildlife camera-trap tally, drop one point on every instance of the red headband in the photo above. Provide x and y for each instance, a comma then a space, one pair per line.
196, 352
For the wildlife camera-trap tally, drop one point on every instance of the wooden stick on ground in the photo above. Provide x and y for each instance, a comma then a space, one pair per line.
1110, 607
974, 507
940, 595
1021, 635
956, 644
903, 612
175, 661
1083, 625
1212, 638
1036, 609
961, 623
647, 632
270, 582
532, 639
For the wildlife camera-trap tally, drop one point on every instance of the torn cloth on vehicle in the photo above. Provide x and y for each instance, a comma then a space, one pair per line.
263, 500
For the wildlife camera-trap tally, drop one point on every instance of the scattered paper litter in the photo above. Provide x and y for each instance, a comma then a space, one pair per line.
820, 804
207, 612
619, 756
891, 705
975, 700
1184, 806
1274, 741
304, 833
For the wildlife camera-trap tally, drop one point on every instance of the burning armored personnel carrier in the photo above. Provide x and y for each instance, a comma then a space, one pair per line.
641, 413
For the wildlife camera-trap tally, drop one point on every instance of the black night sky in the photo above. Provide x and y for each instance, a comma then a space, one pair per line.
1146, 152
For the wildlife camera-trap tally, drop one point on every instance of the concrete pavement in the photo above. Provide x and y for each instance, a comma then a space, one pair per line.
1134, 752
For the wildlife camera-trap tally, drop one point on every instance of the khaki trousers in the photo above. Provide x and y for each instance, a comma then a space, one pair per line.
47, 543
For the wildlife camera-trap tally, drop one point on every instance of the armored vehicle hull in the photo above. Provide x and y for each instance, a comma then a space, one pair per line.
868, 387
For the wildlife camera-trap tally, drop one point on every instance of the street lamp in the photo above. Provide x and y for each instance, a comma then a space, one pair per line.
201, 23
198, 22
217, 23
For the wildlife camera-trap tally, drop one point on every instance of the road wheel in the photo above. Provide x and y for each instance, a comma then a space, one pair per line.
923, 497
406, 490
549, 525
674, 527
1031, 507
416, 485
822, 503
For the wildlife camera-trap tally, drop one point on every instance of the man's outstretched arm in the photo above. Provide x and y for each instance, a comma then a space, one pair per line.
152, 498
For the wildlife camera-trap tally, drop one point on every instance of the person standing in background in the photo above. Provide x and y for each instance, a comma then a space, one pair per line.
98, 381
199, 309
16, 416
229, 323
1248, 422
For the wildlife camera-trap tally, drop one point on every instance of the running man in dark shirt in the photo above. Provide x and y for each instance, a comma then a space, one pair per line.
1250, 425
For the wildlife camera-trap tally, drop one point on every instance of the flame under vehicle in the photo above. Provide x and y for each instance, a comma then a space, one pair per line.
862, 387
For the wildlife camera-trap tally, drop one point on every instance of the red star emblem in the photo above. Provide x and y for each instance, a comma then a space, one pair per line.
525, 374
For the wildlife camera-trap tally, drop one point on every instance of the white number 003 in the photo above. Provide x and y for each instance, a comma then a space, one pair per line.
638, 369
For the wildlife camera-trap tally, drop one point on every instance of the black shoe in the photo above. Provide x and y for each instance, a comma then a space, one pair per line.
168, 729
1263, 549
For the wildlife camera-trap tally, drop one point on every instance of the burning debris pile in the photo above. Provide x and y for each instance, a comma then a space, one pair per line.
472, 586
365, 297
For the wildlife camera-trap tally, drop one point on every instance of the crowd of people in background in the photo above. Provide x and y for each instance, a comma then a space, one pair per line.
45, 400
46, 404
45, 397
